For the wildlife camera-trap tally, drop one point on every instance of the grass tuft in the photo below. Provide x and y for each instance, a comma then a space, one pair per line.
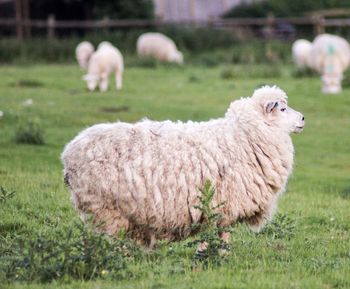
346, 193
209, 232
305, 72
30, 133
111, 109
281, 227
5, 195
27, 83
78, 253
251, 71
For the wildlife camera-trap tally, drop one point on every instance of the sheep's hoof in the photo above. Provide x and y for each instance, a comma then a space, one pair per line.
225, 236
202, 251
202, 247
225, 250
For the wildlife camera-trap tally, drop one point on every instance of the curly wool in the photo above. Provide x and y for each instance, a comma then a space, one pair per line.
145, 177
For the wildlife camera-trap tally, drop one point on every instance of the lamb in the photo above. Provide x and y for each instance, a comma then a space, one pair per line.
103, 62
158, 46
330, 56
144, 178
301, 53
83, 53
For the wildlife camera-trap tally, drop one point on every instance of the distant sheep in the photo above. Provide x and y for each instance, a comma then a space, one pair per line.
104, 43
301, 53
158, 46
144, 178
330, 56
103, 62
83, 53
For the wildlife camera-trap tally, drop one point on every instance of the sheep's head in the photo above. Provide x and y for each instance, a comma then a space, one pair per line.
276, 112
177, 57
91, 81
267, 106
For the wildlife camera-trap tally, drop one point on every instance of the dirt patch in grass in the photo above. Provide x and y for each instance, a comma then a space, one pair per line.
114, 109
26, 83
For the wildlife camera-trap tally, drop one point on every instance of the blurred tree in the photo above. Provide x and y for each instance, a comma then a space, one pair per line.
92, 9
62, 9
124, 9
284, 8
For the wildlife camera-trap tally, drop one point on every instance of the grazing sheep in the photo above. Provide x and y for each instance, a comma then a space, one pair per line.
83, 53
301, 53
103, 62
144, 178
330, 56
158, 46
104, 43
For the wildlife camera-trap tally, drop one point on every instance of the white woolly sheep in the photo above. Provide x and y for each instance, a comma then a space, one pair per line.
301, 52
83, 53
103, 62
330, 56
103, 43
144, 178
158, 46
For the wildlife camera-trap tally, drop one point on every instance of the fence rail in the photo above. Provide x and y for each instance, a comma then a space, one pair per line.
51, 24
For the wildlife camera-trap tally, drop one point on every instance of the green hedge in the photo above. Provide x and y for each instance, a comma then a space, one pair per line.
200, 46
40, 49
284, 8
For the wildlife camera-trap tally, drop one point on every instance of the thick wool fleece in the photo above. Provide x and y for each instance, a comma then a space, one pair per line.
145, 177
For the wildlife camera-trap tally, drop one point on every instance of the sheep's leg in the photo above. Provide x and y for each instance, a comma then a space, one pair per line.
103, 84
109, 220
225, 236
202, 247
258, 221
119, 79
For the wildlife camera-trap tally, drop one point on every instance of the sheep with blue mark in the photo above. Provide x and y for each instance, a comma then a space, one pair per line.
330, 56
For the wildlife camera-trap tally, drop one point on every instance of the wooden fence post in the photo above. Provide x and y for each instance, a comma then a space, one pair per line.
51, 27
26, 17
192, 10
319, 25
269, 28
19, 26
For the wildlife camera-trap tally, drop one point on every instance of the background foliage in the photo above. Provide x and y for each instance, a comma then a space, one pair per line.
284, 8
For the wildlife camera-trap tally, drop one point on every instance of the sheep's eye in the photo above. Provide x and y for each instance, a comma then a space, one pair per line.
283, 109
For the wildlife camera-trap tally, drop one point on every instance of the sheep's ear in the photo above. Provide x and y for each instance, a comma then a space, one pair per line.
270, 106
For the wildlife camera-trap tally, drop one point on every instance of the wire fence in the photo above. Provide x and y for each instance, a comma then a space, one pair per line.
52, 26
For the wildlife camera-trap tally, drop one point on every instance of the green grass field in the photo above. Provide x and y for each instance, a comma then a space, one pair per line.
310, 250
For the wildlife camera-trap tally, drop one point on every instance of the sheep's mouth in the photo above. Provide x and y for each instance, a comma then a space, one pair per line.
299, 129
